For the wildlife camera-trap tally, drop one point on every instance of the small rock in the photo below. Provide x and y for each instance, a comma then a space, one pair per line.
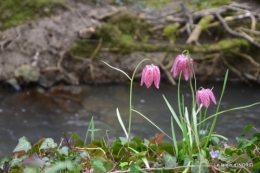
28, 73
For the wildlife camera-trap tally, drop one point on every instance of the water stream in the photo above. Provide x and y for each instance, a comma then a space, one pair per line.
37, 114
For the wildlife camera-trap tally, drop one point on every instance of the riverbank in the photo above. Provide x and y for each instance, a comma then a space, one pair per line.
69, 44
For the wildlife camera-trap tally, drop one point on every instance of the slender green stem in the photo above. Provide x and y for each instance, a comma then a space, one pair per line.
215, 118
199, 121
130, 103
181, 111
178, 91
204, 117
190, 80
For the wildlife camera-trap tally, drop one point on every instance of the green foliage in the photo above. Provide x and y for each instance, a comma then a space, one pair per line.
140, 3
170, 161
13, 12
23, 145
46, 156
170, 31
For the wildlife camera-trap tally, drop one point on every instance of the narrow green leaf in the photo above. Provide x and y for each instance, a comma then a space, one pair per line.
186, 114
232, 109
90, 126
121, 122
173, 113
151, 123
174, 139
23, 145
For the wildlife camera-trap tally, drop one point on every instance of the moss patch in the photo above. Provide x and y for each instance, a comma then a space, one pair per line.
170, 31
15, 12
119, 32
131, 25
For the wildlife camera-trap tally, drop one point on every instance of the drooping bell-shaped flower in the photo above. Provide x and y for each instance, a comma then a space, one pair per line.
203, 97
181, 63
150, 74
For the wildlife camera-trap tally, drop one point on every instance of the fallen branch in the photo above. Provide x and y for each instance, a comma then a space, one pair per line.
249, 58
166, 70
202, 25
234, 33
234, 70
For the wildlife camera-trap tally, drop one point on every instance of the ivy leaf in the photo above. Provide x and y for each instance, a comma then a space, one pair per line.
64, 150
98, 166
48, 143
135, 169
23, 145
169, 160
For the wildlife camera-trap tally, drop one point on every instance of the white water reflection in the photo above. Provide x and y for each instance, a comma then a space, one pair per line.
36, 114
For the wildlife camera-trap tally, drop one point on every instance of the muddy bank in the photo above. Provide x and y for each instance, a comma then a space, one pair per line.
70, 44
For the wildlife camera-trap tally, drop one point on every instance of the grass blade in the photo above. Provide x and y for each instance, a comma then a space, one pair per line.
232, 109
151, 123
121, 122
186, 114
173, 113
174, 139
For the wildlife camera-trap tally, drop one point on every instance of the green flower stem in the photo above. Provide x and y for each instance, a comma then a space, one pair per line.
130, 103
200, 127
130, 98
204, 117
215, 118
178, 91
190, 80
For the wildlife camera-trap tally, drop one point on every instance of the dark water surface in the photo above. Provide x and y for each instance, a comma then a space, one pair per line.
37, 114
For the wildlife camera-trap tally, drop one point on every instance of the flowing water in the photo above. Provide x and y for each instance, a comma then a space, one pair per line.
37, 113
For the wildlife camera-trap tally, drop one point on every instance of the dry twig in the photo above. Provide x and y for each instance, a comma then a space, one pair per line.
234, 33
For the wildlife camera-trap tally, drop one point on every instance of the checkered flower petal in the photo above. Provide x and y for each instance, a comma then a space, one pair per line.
181, 63
203, 96
156, 76
150, 74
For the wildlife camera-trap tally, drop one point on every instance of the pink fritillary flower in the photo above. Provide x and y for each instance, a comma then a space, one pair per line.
150, 74
181, 63
203, 97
